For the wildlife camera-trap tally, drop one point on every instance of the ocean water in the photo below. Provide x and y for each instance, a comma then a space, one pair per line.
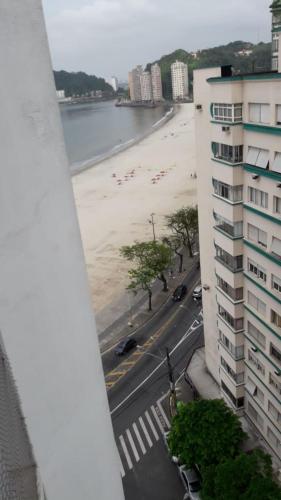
95, 129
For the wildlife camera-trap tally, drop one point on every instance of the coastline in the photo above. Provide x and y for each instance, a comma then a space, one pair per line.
77, 168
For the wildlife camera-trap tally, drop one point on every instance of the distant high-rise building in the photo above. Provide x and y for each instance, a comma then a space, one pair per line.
146, 86
135, 84
156, 81
113, 82
179, 80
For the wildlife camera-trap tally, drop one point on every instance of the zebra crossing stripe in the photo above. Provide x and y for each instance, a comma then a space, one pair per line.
150, 444
157, 419
131, 441
164, 416
126, 453
151, 426
139, 438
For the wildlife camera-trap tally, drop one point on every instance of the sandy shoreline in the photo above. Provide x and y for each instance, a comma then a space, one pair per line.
115, 199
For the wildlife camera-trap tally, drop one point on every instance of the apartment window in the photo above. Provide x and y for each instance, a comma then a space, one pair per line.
274, 441
231, 193
277, 163
276, 247
275, 44
257, 270
238, 403
274, 412
275, 63
258, 197
256, 334
275, 283
257, 235
256, 362
255, 415
275, 353
232, 154
234, 229
275, 318
256, 303
275, 383
235, 323
233, 293
238, 378
259, 113
235, 352
254, 390
278, 114
227, 112
232, 263
258, 157
277, 205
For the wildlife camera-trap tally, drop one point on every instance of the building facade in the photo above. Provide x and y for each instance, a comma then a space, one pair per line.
135, 84
238, 136
146, 86
113, 81
276, 31
179, 73
54, 414
156, 79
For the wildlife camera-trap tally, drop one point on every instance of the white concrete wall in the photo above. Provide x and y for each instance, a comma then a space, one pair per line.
45, 312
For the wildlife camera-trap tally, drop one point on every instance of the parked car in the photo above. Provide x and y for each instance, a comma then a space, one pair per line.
179, 293
191, 482
197, 292
174, 459
125, 346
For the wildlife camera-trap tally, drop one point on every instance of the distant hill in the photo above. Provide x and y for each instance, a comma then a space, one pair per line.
79, 83
258, 60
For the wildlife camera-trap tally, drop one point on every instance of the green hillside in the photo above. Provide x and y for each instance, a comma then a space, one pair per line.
259, 60
79, 83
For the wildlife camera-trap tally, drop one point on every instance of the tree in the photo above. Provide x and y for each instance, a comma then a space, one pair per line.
247, 477
175, 244
205, 432
151, 260
184, 224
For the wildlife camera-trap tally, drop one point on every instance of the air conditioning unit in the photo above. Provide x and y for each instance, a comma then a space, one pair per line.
254, 349
199, 107
226, 129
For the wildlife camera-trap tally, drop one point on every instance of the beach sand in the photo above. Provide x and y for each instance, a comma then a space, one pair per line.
114, 201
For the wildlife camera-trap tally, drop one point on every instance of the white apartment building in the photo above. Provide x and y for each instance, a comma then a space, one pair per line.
146, 86
179, 73
135, 84
56, 437
238, 135
113, 81
156, 79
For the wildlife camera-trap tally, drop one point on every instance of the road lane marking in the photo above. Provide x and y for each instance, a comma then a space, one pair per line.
139, 438
150, 444
163, 414
157, 419
126, 453
152, 426
131, 441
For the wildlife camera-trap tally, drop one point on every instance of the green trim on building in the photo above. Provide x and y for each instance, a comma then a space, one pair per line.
265, 290
264, 129
232, 203
212, 110
233, 238
230, 164
226, 124
276, 30
262, 172
235, 78
276, 368
266, 386
262, 214
259, 250
262, 322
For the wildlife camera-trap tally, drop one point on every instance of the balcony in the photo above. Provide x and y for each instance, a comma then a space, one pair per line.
234, 264
227, 153
232, 229
226, 113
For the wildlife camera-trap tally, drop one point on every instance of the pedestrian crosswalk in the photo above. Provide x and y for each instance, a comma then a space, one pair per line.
137, 440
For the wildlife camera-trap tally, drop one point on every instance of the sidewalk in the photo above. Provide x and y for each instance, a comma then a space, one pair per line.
138, 315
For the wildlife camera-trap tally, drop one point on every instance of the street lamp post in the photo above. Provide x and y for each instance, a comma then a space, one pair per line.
151, 221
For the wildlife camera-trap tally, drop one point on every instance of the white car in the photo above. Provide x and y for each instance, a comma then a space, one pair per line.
191, 482
197, 292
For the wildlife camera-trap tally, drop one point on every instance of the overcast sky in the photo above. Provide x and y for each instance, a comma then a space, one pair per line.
108, 37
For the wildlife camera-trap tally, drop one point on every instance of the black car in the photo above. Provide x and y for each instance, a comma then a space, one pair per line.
125, 346
179, 293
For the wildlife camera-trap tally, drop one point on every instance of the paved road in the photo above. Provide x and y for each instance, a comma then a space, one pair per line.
139, 418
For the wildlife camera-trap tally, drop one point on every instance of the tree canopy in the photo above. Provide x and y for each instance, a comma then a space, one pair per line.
151, 259
79, 83
184, 224
205, 432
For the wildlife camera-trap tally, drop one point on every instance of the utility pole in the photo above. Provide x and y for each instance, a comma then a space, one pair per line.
173, 396
151, 221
